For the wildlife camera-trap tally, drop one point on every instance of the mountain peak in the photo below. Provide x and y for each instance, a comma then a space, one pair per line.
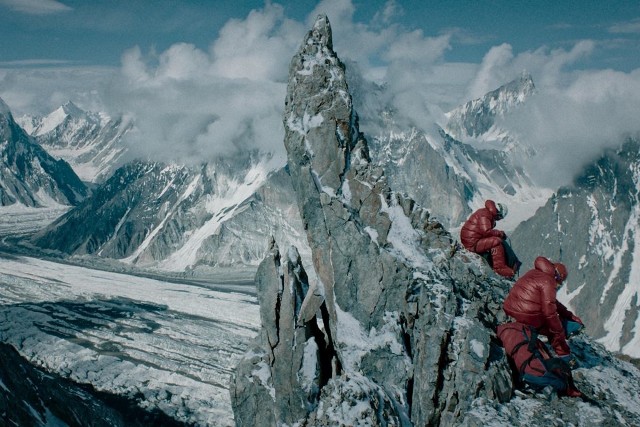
376, 255
477, 117
71, 109
4, 108
321, 32
515, 92
58, 116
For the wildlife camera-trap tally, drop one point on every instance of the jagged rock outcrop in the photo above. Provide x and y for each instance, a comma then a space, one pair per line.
398, 328
395, 318
428, 173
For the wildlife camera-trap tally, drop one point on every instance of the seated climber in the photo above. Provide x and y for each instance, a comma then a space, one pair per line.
478, 234
532, 301
532, 361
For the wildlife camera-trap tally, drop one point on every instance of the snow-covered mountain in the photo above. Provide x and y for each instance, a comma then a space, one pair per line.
593, 226
451, 177
399, 327
28, 175
177, 218
477, 118
91, 143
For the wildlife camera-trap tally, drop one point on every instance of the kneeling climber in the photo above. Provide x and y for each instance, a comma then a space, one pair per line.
479, 235
532, 303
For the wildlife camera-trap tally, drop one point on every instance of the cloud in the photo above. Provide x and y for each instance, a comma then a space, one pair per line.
39, 90
258, 47
193, 106
389, 12
575, 114
415, 79
198, 119
570, 126
500, 66
629, 27
492, 70
36, 7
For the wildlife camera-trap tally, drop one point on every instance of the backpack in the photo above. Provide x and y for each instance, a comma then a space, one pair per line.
537, 350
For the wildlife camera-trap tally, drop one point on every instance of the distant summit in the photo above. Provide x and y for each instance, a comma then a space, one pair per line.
4, 108
91, 143
28, 174
68, 111
477, 117
469, 160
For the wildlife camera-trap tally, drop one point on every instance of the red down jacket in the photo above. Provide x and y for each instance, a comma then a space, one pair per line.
480, 225
532, 301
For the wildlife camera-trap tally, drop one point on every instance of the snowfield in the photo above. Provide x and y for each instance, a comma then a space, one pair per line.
171, 346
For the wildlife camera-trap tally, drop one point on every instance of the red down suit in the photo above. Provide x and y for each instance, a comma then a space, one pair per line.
478, 234
532, 301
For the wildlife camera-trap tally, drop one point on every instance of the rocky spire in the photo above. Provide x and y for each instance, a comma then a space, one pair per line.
381, 263
399, 327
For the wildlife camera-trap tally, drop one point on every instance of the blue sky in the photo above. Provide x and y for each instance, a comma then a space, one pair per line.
207, 78
97, 32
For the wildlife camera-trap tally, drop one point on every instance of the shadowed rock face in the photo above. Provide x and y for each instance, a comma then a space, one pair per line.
398, 328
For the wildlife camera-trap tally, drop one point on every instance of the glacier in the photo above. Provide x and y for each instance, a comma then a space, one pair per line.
166, 345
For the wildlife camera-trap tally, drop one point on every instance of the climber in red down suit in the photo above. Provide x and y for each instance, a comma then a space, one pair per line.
479, 235
532, 301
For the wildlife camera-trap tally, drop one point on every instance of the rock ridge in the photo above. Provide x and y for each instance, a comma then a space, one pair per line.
384, 285
398, 327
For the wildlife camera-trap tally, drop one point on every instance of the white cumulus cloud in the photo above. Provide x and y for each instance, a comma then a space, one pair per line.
576, 113
191, 105
258, 47
36, 7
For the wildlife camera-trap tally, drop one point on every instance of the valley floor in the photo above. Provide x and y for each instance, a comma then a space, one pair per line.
169, 345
